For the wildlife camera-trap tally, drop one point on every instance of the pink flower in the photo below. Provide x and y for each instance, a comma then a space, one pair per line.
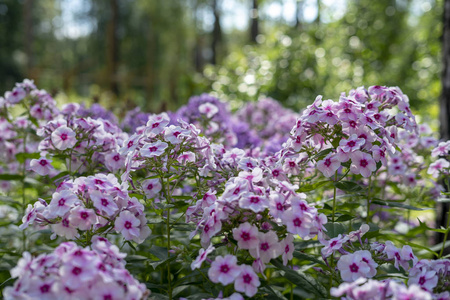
82, 217
114, 161
103, 202
329, 165
208, 109
156, 124
202, 254
63, 137
442, 149
253, 202
15, 96
287, 247
247, 281
224, 269
362, 163
65, 229
31, 214
128, 225
427, 279
153, 149
175, 134
254, 176
246, 235
333, 245
61, 203
151, 187
298, 222
268, 247
130, 144
351, 144
356, 265
277, 204
438, 166
41, 166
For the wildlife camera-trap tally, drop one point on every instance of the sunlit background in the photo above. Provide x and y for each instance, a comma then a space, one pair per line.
156, 54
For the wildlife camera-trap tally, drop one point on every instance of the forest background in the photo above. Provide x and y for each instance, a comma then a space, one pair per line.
157, 54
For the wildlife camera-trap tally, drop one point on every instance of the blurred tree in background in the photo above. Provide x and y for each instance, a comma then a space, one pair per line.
156, 54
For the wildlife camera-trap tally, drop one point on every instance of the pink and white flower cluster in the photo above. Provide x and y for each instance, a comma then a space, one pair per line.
359, 129
73, 272
93, 203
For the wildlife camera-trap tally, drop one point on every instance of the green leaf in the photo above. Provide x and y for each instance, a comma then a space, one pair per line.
302, 280
397, 204
182, 197
159, 252
11, 177
313, 186
164, 206
304, 256
22, 156
348, 186
334, 229
62, 174
322, 154
344, 218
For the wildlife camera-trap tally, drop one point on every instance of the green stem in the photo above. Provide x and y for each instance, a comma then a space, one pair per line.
24, 201
368, 200
334, 198
446, 235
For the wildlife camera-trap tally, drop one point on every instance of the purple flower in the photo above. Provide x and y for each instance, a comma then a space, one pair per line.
128, 225
202, 254
247, 281
246, 235
153, 149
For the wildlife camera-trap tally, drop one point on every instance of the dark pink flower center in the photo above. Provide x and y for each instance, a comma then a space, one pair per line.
155, 125
43, 162
105, 202
130, 143
176, 133
116, 157
279, 206
333, 243
247, 278
224, 268
245, 236
354, 268
327, 162
264, 246
351, 144
127, 225
61, 202
65, 223
422, 280
150, 186
63, 136
275, 173
84, 215
153, 149
254, 199
76, 271
363, 163
45, 288
291, 164
206, 229
297, 222
286, 249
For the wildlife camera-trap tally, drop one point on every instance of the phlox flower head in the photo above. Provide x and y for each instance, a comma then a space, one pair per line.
268, 248
156, 124
202, 254
254, 202
208, 109
362, 163
247, 281
104, 202
175, 134
83, 218
356, 265
329, 165
61, 203
442, 149
224, 269
42, 166
333, 245
153, 149
246, 235
15, 95
128, 225
114, 161
63, 138
151, 187
438, 166
287, 248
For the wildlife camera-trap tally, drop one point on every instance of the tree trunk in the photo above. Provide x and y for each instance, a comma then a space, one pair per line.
254, 19
112, 48
444, 106
28, 36
217, 34
298, 13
